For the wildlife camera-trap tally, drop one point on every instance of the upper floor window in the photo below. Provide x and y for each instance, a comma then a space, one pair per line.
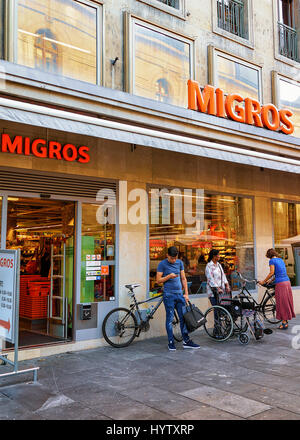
59, 36
231, 15
173, 3
1, 29
288, 28
289, 97
236, 76
160, 64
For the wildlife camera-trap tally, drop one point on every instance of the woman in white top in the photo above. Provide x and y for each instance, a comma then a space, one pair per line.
216, 278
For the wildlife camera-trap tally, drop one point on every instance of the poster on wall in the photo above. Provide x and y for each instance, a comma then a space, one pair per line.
8, 293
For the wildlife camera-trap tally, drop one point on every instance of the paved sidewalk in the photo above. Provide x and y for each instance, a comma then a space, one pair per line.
145, 381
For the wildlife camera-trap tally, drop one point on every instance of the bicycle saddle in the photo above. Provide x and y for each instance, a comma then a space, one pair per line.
132, 286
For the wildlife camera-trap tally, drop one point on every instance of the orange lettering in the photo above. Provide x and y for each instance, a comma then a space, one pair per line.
288, 127
83, 153
65, 150
11, 147
42, 152
274, 125
54, 150
220, 103
252, 111
205, 102
239, 112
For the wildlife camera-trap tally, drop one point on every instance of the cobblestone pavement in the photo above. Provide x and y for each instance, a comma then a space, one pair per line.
224, 381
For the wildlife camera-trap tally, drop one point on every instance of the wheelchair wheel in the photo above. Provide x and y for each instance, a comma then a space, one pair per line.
243, 339
219, 323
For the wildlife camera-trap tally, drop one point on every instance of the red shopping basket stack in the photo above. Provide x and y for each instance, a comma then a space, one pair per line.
34, 291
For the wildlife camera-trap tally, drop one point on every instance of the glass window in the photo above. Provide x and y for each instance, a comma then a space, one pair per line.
237, 77
286, 12
232, 16
173, 3
59, 36
289, 97
97, 257
286, 218
228, 227
0, 217
162, 65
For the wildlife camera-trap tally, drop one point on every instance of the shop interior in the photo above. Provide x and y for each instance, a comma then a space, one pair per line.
44, 232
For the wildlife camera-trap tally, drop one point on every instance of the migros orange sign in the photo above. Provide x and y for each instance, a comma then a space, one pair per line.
214, 102
44, 149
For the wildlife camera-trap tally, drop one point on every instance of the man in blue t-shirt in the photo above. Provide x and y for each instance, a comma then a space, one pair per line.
170, 272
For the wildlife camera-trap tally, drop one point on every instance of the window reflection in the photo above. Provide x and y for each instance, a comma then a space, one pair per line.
287, 237
234, 77
228, 227
290, 98
161, 66
58, 36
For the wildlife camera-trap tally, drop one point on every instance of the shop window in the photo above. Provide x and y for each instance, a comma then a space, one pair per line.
289, 97
237, 77
227, 226
286, 222
59, 36
161, 64
97, 257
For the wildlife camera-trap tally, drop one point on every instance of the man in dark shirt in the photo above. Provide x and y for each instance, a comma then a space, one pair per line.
170, 272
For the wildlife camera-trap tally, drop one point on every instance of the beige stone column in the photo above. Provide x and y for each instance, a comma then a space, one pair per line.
132, 247
263, 235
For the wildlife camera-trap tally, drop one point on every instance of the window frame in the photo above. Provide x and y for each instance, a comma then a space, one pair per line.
276, 77
213, 53
249, 41
129, 64
206, 191
12, 37
180, 13
275, 199
277, 55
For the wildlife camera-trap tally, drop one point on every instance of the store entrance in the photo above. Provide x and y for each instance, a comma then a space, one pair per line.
44, 232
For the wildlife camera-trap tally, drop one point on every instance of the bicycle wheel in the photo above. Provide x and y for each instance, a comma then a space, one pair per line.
176, 328
219, 323
119, 327
269, 310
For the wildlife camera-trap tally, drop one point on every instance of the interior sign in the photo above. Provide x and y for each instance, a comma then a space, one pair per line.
8, 293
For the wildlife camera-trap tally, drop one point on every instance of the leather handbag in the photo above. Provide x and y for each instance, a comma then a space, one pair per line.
193, 317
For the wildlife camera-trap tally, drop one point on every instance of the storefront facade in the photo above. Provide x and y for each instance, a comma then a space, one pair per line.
82, 164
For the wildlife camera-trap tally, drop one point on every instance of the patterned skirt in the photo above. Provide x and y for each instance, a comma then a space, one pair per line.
284, 301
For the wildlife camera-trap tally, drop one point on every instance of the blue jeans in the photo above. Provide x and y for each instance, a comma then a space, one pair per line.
172, 301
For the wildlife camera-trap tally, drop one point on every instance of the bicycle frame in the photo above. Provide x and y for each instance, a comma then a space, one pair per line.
135, 307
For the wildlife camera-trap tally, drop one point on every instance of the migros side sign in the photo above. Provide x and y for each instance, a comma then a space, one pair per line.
246, 110
44, 149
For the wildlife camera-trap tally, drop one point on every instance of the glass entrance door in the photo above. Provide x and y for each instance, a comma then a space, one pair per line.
43, 229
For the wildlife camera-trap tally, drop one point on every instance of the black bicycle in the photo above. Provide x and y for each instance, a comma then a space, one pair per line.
121, 325
267, 305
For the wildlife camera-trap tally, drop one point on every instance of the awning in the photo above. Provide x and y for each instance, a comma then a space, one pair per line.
45, 117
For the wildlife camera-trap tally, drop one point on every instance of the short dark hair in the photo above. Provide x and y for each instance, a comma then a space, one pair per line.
173, 251
271, 253
212, 254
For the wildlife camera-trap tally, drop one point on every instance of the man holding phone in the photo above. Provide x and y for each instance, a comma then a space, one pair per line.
170, 272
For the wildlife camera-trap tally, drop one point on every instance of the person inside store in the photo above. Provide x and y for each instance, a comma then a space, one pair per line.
170, 273
45, 260
283, 290
216, 279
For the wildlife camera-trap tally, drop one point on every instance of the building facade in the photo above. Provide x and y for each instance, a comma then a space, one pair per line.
98, 135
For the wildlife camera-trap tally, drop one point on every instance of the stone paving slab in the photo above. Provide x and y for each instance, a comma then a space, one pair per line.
229, 402
220, 381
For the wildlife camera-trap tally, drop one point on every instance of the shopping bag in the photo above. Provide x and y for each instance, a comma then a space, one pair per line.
193, 317
223, 296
